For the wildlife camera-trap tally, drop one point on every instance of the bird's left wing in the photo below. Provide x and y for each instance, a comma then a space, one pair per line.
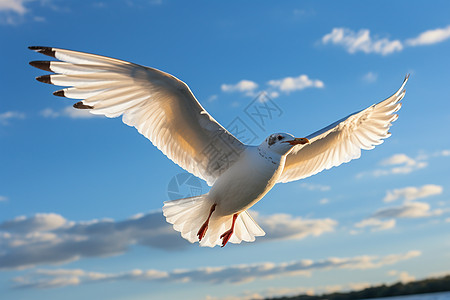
160, 106
343, 140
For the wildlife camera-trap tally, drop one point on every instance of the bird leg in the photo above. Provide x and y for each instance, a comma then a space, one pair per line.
227, 234
202, 231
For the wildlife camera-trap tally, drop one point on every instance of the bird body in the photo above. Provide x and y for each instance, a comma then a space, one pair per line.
163, 109
247, 181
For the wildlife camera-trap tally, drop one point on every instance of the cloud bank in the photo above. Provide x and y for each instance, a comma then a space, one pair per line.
51, 239
210, 275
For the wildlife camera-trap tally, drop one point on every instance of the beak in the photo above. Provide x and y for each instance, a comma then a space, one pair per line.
298, 141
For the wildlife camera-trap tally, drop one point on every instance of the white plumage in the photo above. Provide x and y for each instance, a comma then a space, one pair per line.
164, 110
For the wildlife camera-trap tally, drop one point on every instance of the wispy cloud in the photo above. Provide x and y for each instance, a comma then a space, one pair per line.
13, 12
285, 226
376, 224
397, 164
315, 187
408, 210
49, 238
237, 274
412, 193
370, 77
284, 85
3, 198
324, 201
402, 164
69, 112
404, 277
6, 117
16, 6
385, 218
363, 41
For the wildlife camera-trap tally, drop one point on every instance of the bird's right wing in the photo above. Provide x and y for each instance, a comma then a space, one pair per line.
160, 106
343, 140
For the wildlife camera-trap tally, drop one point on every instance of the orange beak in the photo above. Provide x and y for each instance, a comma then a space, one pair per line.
298, 141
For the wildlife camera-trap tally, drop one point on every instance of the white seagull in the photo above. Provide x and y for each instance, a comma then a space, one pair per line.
164, 110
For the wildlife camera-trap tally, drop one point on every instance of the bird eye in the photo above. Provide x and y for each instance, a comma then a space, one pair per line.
279, 137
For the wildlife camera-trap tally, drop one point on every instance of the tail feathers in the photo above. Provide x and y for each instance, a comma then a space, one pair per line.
188, 215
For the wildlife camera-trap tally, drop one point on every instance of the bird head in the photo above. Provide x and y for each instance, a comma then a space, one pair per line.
282, 143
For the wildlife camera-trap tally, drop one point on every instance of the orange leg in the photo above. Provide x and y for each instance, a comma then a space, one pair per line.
227, 234
202, 231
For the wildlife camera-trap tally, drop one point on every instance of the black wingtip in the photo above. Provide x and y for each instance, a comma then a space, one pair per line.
59, 93
80, 105
44, 50
44, 79
43, 65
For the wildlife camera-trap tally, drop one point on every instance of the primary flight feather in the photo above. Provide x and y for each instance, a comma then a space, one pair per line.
164, 110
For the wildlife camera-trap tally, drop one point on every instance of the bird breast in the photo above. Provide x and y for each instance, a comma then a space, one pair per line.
246, 181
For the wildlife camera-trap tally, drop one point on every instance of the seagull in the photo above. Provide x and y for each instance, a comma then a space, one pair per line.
163, 109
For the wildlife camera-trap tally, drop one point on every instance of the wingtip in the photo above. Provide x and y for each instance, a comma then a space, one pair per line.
44, 50
59, 93
44, 79
80, 105
43, 65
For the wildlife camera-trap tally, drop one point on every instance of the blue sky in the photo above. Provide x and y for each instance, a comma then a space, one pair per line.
81, 196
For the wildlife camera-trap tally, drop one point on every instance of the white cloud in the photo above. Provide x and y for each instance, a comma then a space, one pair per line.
412, 193
403, 164
13, 12
38, 223
447, 220
370, 77
247, 87
16, 6
284, 226
212, 275
3, 198
398, 164
444, 153
361, 41
376, 224
51, 239
290, 84
315, 187
404, 277
69, 112
275, 87
324, 201
212, 98
408, 210
430, 37
385, 218
6, 117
